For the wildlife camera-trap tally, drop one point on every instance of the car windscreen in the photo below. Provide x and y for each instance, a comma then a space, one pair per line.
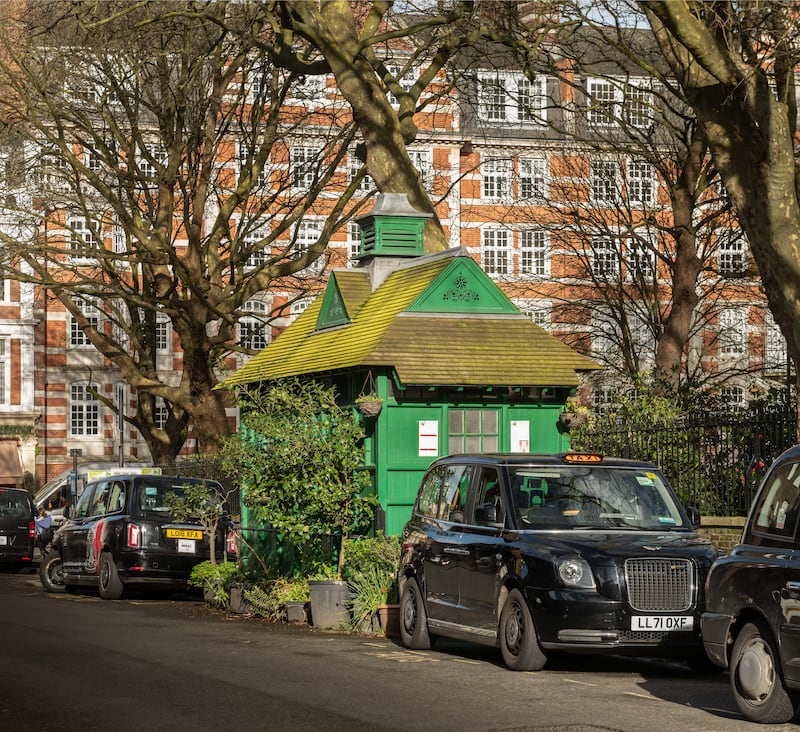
593, 497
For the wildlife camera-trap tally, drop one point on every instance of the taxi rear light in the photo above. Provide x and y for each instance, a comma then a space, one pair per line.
31, 528
134, 536
232, 542
582, 457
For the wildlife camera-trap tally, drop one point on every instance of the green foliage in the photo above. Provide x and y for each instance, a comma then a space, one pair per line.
215, 579
380, 554
714, 458
300, 458
367, 592
201, 502
371, 573
270, 602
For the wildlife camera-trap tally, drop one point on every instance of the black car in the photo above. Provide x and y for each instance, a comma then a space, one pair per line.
17, 528
752, 619
122, 533
543, 553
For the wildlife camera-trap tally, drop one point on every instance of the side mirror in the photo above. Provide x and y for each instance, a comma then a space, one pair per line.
694, 516
66, 512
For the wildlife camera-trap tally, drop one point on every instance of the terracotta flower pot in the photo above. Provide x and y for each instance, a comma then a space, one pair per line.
389, 616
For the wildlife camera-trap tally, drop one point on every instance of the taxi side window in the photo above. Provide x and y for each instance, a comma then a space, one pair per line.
428, 498
490, 507
116, 497
85, 502
100, 499
780, 507
456, 488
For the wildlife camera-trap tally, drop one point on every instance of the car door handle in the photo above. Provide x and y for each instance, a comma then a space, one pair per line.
456, 550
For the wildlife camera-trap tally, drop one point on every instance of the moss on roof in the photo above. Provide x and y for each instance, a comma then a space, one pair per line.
499, 346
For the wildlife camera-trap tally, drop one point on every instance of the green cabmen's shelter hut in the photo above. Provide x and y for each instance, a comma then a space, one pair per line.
456, 367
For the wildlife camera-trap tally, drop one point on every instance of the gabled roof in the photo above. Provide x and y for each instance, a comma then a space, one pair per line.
437, 320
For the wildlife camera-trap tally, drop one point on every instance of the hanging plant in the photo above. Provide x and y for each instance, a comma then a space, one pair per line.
368, 402
369, 405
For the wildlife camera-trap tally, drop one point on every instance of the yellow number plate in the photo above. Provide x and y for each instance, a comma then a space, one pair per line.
184, 534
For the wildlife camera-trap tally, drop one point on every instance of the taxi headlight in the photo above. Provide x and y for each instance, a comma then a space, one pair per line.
575, 572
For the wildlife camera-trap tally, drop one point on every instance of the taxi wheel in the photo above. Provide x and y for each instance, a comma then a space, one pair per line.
413, 618
50, 573
110, 583
756, 678
518, 642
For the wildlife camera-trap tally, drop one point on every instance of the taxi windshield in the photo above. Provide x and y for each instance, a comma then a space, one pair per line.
593, 497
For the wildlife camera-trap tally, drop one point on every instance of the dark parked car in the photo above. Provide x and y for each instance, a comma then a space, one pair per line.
544, 553
17, 529
752, 619
122, 533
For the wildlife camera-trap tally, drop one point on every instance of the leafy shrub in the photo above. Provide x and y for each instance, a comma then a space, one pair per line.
270, 602
215, 579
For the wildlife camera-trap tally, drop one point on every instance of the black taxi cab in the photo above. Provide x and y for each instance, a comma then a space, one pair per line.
542, 553
751, 624
122, 533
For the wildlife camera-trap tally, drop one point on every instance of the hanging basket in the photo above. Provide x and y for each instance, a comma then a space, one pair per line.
368, 402
370, 407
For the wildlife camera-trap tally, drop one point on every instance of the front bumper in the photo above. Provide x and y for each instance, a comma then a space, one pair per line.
581, 621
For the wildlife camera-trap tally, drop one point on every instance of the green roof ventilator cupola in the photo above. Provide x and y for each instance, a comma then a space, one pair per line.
392, 227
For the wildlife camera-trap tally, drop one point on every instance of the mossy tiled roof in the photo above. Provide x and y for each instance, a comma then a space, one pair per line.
475, 337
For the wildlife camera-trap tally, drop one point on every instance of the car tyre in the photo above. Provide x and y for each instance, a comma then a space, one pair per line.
756, 678
110, 584
413, 618
518, 642
51, 573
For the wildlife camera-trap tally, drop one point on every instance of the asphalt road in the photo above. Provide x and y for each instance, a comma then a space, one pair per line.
158, 662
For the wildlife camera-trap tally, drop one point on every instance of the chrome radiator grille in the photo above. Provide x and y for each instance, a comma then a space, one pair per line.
659, 585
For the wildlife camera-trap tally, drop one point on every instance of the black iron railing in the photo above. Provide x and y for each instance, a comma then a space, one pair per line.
715, 461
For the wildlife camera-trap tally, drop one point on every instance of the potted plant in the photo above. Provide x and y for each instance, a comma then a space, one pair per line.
303, 477
369, 405
215, 579
285, 598
372, 567
575, 413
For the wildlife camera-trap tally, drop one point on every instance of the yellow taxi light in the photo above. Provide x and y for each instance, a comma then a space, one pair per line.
582, 457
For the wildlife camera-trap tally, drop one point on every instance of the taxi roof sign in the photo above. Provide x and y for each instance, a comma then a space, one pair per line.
582, 457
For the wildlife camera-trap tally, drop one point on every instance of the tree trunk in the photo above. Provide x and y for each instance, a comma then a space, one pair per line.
333, 30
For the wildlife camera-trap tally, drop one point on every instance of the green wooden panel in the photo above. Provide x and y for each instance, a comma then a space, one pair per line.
333, 311
402, 486
396, 519
403, 440
463, 288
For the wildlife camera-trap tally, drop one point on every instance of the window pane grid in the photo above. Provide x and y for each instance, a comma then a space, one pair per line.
532, 178
496, 254
473, 430
640, 182
84, 411
533, 252
496, 175
604, 181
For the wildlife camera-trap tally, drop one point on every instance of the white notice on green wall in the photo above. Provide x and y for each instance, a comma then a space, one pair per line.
520, 435
428, 438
